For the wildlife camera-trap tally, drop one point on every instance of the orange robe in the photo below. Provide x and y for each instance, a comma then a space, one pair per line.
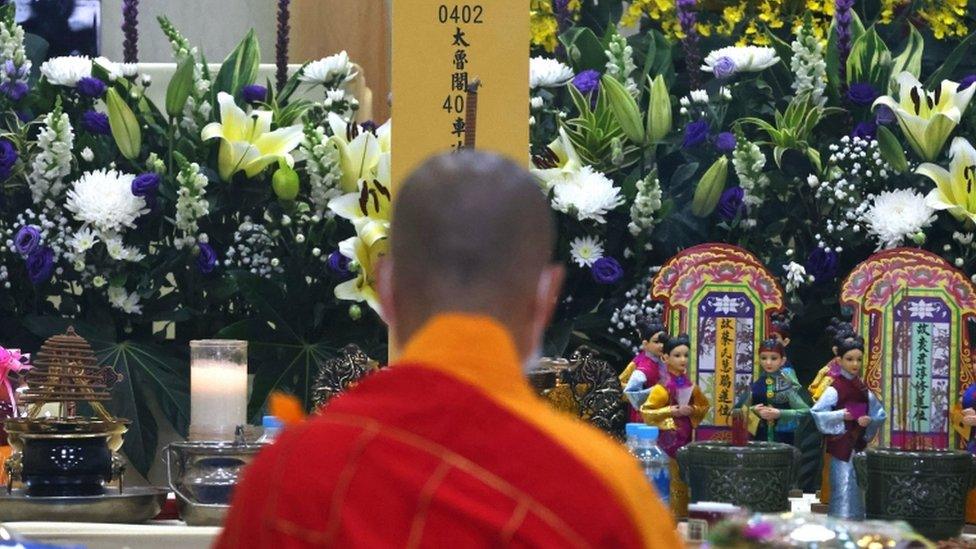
449, 448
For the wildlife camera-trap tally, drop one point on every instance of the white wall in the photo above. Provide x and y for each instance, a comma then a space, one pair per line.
216, 26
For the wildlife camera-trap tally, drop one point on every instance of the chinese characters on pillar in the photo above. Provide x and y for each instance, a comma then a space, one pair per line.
725, 370
457, 20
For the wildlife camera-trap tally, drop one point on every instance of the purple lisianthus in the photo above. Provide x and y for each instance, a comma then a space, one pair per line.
883, 115
822, 264
27, 239
40, 265
725, 142
731, 204
862, 94
865, 130
254, 93
967, 81
207, 259
146, 185
695, 134
8, 157
339, 265
607, 270
724, 68
91, 87
587, 81
96, 122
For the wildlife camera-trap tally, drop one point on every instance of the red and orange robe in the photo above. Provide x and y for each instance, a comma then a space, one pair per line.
449, 448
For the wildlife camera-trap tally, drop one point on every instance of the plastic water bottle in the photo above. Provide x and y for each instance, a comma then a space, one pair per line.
631, 430
272, 426
654, 460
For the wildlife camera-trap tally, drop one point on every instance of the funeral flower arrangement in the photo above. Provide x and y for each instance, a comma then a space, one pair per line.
233, 210
810, 133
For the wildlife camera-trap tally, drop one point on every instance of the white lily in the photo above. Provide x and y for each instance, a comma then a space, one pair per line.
560, 161
365, 252
360, 152
246, 140
955, 188
927, 118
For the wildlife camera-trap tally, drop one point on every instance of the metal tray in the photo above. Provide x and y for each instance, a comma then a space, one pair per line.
135, 504
201, 514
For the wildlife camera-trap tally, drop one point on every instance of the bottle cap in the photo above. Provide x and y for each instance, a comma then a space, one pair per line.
631, 429
647, 432
271, 422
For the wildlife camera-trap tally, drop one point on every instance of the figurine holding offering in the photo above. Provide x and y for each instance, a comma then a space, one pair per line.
849, 415
644, 371
776, 397
676, 406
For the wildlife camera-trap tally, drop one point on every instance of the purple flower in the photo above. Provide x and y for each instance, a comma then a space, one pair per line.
40, 265
8, 157
862, 94
91, 87
587, 81
883, 115
967, 81
130, 30
724, 68
759, 531
865, 130
607, 270
730, 204
822, 264
254, 93
96, 122
281, 45
27, 239
695, 134
339, 265
207, 259
15, 91
725, 142
688, 19
843, 18
146, 185
14, 84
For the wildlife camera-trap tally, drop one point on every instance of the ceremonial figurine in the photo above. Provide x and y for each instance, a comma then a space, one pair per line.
849, 415
644, 371
780, 330
837, 330
676, 406
776, 397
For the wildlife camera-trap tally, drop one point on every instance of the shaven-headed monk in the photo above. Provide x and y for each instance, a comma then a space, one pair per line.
450, 447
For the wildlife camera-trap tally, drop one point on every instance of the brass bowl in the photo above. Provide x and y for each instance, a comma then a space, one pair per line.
20, 429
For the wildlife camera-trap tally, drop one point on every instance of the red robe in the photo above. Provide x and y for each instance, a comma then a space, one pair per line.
448, 448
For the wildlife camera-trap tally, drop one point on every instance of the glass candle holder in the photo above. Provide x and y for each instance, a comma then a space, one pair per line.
218, 388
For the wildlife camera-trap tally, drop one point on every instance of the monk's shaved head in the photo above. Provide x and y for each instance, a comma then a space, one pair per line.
472, 233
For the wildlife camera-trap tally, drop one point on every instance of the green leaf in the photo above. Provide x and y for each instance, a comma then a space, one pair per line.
869, 61
180, 87
910, 59
948, 67
584, 49
240, 68
124, 125
290, 86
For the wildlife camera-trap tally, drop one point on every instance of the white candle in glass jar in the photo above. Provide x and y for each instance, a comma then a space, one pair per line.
218, 389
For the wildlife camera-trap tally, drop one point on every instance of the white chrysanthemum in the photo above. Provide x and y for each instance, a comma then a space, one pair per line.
699, 96
745, 58
586, 194
897, 215
124, 301
66, 70
548, 73
117, 70
82, 241
796, 275
120, 252
586, 250
104, 200
333, 70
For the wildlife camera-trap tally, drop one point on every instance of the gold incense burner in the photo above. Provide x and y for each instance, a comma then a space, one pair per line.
584, 386
60, 453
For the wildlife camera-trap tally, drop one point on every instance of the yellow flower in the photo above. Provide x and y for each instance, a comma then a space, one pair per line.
364, 253
955, 188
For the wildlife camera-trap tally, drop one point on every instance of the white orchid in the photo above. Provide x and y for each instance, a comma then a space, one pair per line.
362, 154
246, 140
955, 188
927, 118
